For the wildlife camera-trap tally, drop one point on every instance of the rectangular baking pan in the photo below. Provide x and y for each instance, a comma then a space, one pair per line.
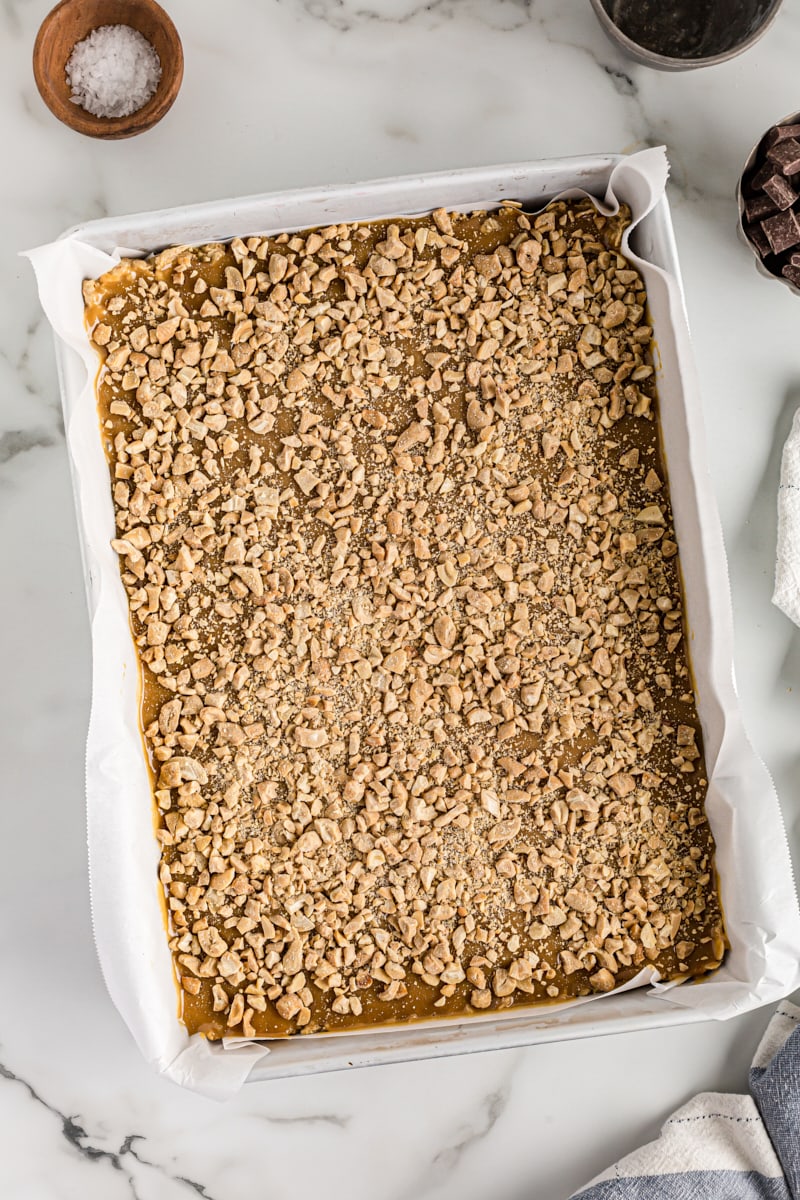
748, 977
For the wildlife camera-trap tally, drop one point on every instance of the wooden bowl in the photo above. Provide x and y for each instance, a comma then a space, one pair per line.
73, 20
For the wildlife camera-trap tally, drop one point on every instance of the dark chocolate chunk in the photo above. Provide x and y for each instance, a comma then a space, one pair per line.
792, 273
782, 231
786, 155
760, 207
760, 177
781, 191
779, 133
755, 235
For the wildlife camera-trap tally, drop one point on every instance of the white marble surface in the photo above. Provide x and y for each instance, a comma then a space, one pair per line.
314, 91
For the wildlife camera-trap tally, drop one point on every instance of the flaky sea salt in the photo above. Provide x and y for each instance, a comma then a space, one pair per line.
113, 71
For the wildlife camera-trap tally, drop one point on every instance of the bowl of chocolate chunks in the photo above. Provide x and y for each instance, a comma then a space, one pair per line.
769, 202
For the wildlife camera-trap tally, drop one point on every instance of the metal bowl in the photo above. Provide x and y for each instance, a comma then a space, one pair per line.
722, 30
791, 119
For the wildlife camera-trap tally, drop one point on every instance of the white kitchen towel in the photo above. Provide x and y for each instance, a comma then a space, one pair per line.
725, 1147
787, 566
